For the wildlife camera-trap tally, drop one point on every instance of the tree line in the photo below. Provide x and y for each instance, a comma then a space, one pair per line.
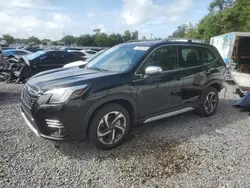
97, 39
224, 16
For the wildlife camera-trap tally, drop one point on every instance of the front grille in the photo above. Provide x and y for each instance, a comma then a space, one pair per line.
29, 96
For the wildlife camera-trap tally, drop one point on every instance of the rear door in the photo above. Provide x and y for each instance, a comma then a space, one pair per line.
194, 72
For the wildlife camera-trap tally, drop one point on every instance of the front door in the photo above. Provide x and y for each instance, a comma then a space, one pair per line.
159, 92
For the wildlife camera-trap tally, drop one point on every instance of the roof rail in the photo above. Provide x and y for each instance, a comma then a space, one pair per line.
141, 40
186, 40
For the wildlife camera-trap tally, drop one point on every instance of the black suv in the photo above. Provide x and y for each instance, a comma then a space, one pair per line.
134, 82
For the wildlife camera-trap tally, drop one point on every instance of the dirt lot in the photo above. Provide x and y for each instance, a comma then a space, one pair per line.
182, 151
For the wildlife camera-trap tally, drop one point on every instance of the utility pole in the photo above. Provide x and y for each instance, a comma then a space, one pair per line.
151, 34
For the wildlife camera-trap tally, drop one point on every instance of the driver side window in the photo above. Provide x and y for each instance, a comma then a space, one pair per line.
164, 57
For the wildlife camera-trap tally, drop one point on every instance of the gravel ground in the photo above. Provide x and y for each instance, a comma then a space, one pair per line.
182, 151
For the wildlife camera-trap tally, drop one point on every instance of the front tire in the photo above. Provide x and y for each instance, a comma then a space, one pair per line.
109, 126
210, 101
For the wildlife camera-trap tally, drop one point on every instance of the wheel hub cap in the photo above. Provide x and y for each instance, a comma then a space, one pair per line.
211, 102
111, 127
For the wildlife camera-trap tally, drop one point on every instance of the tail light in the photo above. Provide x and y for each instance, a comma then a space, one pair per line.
84, 58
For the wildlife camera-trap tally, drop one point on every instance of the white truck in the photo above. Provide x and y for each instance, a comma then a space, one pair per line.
235, 50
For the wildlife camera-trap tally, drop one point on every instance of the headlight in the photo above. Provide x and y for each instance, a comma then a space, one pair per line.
61, 95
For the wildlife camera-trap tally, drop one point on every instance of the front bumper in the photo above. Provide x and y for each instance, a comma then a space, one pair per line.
36, 122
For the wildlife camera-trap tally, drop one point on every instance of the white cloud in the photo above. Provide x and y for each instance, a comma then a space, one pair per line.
26, 26
31, 4
91, 14
137, 12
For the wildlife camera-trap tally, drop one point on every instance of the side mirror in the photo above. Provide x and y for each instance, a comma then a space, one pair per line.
151, 70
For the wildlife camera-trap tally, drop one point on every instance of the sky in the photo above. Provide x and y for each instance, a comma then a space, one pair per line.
52, 19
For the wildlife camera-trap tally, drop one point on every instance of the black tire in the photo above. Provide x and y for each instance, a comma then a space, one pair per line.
97, 124
203, 110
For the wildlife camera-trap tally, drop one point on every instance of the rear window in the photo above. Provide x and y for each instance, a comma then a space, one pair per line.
79, 53
208, 55
190, 56
35, 55
90, 52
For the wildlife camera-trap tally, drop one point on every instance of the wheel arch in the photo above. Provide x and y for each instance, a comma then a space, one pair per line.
124, 100
217, 84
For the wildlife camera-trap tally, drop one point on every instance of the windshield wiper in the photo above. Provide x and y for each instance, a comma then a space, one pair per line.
99, 69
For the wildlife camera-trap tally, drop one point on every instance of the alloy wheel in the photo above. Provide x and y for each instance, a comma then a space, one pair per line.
211, 102
111, 127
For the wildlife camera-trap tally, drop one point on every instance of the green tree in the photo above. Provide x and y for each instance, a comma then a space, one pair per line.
102, 39
192, 32
134, 35
9, 39
97, 31
33, 40
221, 4
85, 40
115, 39
54, 43
144, 38
127, 35
68, 39
180, 32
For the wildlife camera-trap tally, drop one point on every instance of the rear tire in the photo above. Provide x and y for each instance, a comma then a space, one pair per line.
209, 102
109, 126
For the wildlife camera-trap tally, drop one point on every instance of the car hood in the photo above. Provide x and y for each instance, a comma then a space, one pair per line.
68, 77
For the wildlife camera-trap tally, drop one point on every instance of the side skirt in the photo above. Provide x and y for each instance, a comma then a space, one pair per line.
169, 114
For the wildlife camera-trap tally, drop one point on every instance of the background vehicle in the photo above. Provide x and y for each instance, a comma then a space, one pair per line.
82, 54
18, 52
44, 60
78, 63
130, 83
3, 43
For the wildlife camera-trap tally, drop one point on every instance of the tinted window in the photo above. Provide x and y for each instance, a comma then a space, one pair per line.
48, 58
164, 57
79, 53
90, 52
190, 56
69, 57
208, 55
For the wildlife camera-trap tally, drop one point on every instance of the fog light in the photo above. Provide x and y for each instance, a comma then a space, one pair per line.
54, 123
56, 128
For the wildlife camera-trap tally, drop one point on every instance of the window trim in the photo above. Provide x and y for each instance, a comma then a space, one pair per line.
165, 45
178, 62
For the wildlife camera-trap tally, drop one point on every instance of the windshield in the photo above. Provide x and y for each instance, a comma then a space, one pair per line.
119, 58
95, 55
35, 55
